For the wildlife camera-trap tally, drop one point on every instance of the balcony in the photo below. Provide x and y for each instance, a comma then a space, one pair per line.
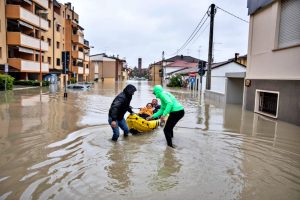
86, 71
43, 3
78, 70
17, 12
86, 58
77, 39
77, 55
20, 39
28, 65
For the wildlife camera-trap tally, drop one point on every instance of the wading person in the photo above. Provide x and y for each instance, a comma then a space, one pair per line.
118, 108
169, 106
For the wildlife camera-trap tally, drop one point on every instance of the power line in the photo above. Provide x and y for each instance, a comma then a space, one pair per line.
232, 15
196, 30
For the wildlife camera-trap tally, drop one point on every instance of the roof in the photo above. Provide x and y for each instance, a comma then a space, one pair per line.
185, 70
182, 63
182, 57
216, 65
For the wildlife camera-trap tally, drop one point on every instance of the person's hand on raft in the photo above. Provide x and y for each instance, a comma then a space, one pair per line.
149, 118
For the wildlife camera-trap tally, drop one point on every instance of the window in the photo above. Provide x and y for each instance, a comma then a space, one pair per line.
57, 45
68, 16
49, 60
49, 22
63, 14
42, 38
49, 41
266, 103
36, 57
57, 27
0, 52
289, 26
42, 58
0, 25
57, 61
49, 5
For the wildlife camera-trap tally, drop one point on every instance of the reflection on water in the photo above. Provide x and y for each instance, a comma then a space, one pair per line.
56, 148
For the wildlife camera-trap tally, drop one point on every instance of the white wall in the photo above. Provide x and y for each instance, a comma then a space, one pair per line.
265, 61
218, 78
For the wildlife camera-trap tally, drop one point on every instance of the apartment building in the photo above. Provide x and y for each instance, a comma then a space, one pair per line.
272, 85
33, 35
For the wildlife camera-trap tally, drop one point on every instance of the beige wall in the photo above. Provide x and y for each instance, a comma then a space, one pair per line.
155, 72
109, 69
3, 53
265, 61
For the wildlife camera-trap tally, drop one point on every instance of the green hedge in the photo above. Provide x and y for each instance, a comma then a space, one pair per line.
9, 82
31, 83
175, 81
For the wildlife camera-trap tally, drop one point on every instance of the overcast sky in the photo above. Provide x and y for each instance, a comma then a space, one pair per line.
145, 28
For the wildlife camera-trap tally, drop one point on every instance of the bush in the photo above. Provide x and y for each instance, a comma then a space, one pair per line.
72, 80
175, 81
9, 82
31, 83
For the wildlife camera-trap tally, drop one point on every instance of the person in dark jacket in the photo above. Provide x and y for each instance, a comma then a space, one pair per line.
118, 108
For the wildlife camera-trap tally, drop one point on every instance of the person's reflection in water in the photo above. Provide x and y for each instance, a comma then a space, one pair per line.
169, 167
119, 168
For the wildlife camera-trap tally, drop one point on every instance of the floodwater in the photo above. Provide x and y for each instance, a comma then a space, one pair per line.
51, 148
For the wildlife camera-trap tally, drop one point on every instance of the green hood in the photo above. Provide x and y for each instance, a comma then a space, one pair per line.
157, 90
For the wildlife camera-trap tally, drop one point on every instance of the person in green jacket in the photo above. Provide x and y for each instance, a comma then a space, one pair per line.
169, 106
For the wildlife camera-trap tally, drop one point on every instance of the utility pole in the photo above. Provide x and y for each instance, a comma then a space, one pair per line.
211, 34
162, 67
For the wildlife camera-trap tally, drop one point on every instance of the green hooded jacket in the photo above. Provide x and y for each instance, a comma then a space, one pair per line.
168, 102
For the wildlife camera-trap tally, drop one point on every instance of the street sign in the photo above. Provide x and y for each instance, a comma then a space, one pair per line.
192, 79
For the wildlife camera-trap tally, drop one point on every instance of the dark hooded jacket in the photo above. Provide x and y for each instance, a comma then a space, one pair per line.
121, 104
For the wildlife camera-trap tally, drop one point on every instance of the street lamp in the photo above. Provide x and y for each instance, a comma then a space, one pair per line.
40, 31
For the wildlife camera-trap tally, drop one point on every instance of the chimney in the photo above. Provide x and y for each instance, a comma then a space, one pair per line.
236, 56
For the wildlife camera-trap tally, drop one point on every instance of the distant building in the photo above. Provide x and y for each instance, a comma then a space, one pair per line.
164, 68
273, 73
140, 66
105, 68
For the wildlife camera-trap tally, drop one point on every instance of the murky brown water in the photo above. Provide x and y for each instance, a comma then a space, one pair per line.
56, 149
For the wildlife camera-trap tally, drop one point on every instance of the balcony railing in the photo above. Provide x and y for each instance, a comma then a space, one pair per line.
86, 71
28, 65
78, 70
17, 12
43, 3
77, 55
20, 39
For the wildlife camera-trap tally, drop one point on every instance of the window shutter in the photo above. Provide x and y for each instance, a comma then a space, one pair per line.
289, 28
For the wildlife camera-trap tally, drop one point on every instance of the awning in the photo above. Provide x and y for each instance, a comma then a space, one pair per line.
25, 50
25, 24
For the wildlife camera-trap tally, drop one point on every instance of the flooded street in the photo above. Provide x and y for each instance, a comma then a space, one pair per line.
51, 148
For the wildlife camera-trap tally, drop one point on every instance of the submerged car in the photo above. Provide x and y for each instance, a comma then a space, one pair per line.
79, 86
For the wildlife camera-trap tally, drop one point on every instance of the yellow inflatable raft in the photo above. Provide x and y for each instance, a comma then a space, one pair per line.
138, 124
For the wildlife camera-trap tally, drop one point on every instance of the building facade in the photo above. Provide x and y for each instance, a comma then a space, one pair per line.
273, 70
106, 68
33, 35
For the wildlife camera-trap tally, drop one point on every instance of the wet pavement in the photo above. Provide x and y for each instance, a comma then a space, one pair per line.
51, 148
